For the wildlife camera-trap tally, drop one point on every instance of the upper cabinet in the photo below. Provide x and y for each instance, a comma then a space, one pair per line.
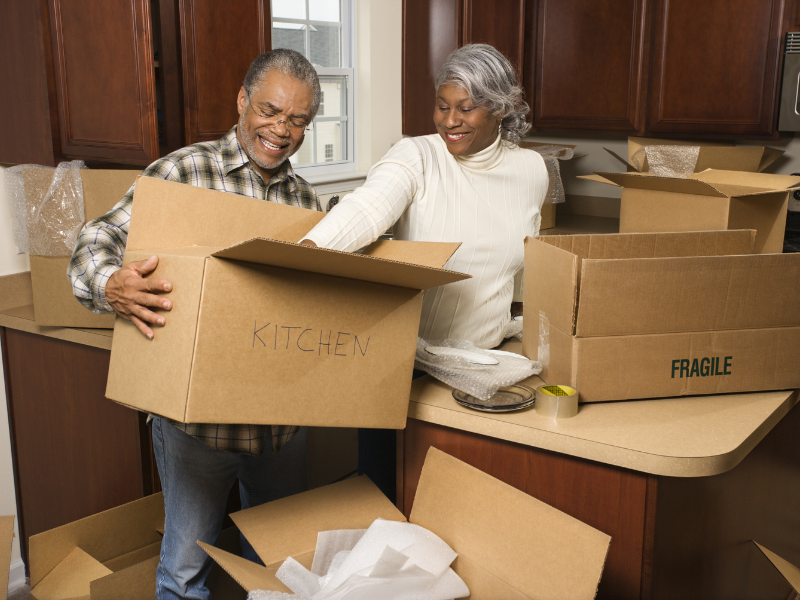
674, 67
716, 66
103, 67
219, 41
590, 65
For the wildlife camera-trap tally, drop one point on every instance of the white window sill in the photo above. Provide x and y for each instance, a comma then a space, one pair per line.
329, 183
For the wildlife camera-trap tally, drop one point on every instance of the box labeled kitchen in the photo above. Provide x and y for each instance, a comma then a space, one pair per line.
266, 331
705, 201
54, 304
650, 315
527, 550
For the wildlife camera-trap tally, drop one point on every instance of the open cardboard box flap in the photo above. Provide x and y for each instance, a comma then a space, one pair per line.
527, 550
712, 182
103, 545
789, 571
712, 154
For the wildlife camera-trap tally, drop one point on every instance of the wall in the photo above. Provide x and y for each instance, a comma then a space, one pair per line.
10, 262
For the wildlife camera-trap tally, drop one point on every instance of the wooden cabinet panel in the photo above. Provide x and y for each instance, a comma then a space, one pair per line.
75, 453
105, 82
431, 31
24, 106
219, 40
500, 23
590, 65
716, 66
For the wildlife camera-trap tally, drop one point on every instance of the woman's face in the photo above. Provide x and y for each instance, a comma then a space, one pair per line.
464, 127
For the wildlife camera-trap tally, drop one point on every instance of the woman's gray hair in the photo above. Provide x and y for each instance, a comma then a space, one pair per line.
288, 62
491, 83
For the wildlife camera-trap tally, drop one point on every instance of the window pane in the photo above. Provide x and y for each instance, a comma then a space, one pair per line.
325, 45
289, 35
289, 9
324, 10
334, 90
329, 141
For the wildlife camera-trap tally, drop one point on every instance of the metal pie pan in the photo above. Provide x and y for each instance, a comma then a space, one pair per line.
507, 399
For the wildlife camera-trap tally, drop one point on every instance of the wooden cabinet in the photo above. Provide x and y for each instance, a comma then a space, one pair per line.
219, 41
590, 65
122, 81
716, 66
642, 67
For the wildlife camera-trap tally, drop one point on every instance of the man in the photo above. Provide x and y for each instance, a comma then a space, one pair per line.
198, 463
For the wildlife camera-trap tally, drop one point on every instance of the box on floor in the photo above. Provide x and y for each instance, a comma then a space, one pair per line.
527, 550
652, 315
712, 155
706, 201
264, 330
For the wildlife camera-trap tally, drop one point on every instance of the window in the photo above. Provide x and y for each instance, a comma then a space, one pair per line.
321, 31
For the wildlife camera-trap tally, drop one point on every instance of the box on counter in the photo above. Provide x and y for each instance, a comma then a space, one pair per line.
712, 155
54, 304
706, 201
548, 216
663, 314
526, 550
264, 330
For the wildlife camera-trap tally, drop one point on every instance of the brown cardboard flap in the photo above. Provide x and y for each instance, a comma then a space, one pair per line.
289, 526
674, 185
136, 582
133, 558
767, 214
662, 295
249, 575
555, 291
104, 536
15, 290
762, 181
166, 214
534, 548
427, 254
789, 571
340, 264
620, 159
597, 179
770, 156
71, 577
6, 542
104, 188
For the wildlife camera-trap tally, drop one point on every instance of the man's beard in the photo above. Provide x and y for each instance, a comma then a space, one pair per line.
249, 140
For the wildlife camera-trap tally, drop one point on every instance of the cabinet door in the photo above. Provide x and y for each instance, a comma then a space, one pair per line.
716, 66
590, 65
219, 40
500, 23
431, 31
105, 80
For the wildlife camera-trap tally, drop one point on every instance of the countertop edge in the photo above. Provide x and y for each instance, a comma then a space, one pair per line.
77, 336
653, 464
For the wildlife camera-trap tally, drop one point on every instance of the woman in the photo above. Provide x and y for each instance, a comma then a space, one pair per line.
469, 183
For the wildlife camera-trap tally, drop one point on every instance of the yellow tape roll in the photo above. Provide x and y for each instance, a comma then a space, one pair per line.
559, 401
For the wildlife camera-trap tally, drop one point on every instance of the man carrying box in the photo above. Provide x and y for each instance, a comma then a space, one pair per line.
277, 102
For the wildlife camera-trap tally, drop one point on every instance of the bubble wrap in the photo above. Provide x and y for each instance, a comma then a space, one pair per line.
514, 329
480, 381
391, 560
667, 160
46, 223
551, 156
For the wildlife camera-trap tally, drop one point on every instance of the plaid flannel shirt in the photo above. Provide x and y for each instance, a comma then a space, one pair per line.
220, 165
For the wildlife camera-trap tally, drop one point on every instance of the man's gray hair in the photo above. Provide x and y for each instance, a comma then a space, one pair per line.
288, 62
491, 83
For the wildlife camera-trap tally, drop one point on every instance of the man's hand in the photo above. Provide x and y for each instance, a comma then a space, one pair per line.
129, 294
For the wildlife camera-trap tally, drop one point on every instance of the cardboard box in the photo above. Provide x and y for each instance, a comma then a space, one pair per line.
526, 550
787, 570
712, 155
663, 314
53, 301
264, 330
706, 201
548, 216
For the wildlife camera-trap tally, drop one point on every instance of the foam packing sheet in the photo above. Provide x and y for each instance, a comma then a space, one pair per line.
390, 560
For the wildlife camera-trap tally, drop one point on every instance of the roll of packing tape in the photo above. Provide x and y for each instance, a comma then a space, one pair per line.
559, 401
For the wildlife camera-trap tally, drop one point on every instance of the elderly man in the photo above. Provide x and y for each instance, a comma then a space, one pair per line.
199, 463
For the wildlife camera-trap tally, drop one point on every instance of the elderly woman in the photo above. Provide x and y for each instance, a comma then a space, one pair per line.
469, 183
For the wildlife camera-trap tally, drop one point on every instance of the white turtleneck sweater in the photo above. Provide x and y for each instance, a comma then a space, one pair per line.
488, 201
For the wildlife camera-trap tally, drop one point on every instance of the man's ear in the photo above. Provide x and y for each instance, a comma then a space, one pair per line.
241, 100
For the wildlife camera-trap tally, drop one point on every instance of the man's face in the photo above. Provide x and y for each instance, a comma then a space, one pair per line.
272, 124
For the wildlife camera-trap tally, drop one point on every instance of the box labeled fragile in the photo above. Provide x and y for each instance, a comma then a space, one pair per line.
650, 315
527, 550
711, 200
264, 330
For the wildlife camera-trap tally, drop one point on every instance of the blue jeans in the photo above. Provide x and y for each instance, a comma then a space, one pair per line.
196, 480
